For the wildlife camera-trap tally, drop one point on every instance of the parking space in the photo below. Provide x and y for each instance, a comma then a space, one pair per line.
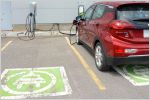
83, 78
117, 85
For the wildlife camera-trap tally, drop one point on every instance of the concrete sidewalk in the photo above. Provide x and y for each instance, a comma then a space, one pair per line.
38, 33
64, 27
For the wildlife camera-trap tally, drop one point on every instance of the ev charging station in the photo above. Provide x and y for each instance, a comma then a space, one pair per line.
31, 23
33, 13
80, 9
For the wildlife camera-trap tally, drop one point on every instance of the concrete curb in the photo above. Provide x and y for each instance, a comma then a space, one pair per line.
38, 34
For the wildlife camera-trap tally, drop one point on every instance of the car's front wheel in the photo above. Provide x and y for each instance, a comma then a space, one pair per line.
100, 58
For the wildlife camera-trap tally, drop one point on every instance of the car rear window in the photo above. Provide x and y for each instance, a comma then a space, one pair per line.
135, 12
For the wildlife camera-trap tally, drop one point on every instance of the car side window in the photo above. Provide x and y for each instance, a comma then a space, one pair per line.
89, 13
99, 11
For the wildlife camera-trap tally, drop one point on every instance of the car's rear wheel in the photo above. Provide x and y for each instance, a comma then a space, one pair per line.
78, 38
100, 58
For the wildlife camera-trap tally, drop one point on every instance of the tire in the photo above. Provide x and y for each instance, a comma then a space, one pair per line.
78, 39
100, 58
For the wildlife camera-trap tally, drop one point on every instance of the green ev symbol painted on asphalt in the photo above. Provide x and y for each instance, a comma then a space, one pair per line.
30, 78
136, 74
28, 82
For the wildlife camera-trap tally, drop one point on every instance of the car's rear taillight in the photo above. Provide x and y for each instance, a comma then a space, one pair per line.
121, 29
119, 24
122, 33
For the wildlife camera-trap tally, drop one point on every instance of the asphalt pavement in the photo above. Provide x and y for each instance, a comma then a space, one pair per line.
85, 80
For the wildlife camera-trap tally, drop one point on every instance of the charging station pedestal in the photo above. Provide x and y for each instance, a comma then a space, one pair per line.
33, 13
30, 23
80, 10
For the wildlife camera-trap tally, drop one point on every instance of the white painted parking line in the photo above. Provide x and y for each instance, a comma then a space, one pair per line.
138, 75
6, 45
92, 74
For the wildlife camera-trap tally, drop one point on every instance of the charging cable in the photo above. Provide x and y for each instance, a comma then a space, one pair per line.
31, 29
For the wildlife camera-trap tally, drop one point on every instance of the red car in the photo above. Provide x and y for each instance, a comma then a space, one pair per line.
117, 32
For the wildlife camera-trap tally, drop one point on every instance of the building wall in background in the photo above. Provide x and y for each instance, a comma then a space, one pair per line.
0, 17
49, 11
6, 15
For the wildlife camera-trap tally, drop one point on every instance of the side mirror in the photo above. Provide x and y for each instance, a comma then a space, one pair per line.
77, 20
